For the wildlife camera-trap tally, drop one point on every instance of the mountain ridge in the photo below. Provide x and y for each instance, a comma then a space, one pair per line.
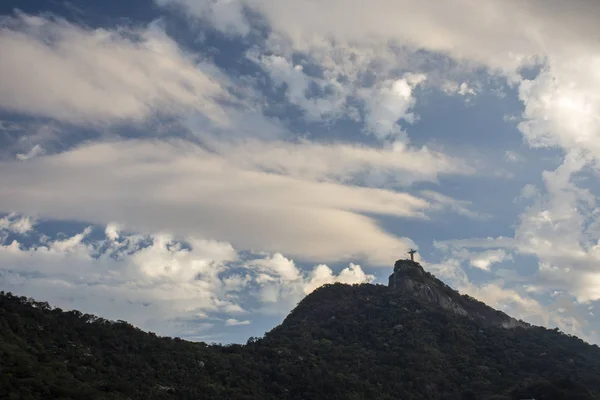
362, 341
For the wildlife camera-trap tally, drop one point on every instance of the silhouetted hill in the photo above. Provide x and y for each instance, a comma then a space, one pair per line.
340, 342
411, 346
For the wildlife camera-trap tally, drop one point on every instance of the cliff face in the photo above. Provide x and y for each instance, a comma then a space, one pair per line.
410, 278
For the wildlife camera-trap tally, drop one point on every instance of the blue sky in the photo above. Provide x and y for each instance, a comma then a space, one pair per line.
196, 167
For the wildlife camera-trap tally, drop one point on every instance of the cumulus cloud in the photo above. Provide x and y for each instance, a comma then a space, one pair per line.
322, 275
562, 104
145, 284
560, 229
503, 37
385, 103
389, 102
100, 76
112, 231
282, 282
16, 224
157, 282
463, 89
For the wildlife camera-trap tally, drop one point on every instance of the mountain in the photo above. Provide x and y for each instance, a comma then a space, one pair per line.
414, 339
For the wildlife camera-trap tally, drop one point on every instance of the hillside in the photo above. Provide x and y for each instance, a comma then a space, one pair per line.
420, 340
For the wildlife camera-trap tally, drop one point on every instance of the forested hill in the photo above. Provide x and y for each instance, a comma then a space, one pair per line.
341, 342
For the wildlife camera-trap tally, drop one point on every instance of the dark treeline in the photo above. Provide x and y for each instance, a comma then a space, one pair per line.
341, 342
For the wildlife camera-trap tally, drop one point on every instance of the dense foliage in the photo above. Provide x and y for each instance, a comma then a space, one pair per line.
341, 342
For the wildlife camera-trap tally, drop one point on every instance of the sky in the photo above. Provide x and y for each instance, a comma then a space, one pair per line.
197, 167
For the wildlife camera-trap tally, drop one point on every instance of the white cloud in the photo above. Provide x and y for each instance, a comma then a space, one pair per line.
485, 259
99, 76
235, 322
298, 84
112, 231
281, 282
498, 33
460, 207
459, 254
512, 302
561, 102
560, 229
463, 89
322, 275
389, 102
348, 163
16, 224
386, 102
167, 260
35, 151
159, 283
179, 188
277, 265
562, 105
70, 245
151, 286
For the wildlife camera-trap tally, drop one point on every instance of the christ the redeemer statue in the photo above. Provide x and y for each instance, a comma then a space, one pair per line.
412, 254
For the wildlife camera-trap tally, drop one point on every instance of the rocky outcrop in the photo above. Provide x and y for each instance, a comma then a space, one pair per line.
409, 277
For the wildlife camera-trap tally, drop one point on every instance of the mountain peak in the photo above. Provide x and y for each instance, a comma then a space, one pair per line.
411, 279
407, 267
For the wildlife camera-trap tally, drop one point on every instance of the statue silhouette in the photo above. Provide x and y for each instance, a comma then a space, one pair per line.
412, 254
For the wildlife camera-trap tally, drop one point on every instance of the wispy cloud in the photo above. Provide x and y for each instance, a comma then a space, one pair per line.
98, 76
189, 191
